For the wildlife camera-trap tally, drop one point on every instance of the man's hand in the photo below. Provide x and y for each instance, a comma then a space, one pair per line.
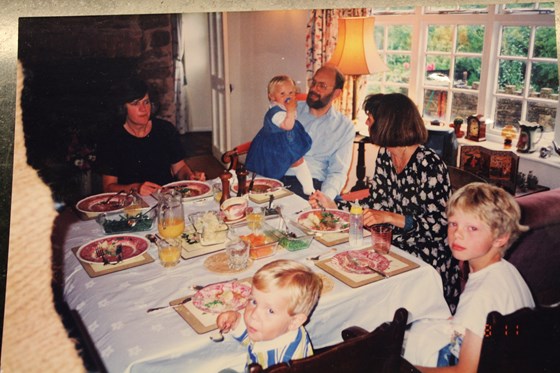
146, 188
319, 200
198, 175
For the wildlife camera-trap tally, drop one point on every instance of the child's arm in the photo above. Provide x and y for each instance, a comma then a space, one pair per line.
288, 123
228, 320
469, 356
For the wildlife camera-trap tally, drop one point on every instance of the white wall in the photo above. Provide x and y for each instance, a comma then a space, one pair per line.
197, 70
260, 46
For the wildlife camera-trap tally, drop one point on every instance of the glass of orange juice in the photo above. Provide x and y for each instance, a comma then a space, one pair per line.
255, 218
171, 220
169, 253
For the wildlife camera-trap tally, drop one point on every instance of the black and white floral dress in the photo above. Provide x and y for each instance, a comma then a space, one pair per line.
420, 190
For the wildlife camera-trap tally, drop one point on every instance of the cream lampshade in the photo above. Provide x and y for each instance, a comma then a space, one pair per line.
355, 53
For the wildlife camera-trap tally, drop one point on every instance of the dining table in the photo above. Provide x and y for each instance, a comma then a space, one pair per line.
112, 308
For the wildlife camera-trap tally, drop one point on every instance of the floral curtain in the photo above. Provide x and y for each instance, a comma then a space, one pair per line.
322, 31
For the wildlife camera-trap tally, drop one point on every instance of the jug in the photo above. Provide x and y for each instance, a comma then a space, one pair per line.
527, 142
171, 219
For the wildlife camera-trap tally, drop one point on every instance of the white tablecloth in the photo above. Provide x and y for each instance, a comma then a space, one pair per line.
113, 307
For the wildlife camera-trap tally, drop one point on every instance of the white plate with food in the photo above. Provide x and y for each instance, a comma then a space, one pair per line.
225, 296
94, 205
190, 189
324, 221
261, 185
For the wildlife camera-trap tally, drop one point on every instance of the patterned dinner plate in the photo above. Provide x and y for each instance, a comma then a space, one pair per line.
324, 221
261, 185
357, 261
94, 205
225, 296
131, 246
190, 189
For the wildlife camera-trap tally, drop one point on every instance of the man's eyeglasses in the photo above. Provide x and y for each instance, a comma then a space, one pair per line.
321, 85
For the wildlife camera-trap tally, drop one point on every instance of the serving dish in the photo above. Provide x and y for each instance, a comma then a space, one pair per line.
120, 222
210, 228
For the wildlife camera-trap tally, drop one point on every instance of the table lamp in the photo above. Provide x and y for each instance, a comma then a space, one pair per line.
356, 53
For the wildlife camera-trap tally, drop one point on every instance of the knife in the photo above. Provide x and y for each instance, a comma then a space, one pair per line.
199, 287
171, 305
252, 182
361, 264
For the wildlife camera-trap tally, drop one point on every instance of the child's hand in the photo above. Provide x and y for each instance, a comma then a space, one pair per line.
290, 103
227, 321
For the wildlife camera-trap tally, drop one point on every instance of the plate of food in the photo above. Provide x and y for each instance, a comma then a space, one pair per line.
225, 296
327, 220
359, 261
128, 246
261, 185
94, 205
190, 189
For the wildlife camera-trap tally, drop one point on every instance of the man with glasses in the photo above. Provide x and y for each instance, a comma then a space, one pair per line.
332, 133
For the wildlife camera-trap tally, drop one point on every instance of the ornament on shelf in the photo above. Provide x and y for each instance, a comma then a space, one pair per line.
508, 133
476, 128
456, 125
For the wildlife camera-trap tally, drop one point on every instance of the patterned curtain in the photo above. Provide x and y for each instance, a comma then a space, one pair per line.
322, 31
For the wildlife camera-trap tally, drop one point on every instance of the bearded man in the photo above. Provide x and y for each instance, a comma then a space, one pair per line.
332, 133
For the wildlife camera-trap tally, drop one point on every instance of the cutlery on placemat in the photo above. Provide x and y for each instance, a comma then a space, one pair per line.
252, 182
317, 257
170, 305
361, 264
200, 287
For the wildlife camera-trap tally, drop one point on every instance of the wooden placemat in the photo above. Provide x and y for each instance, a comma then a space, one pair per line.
95, 270
192, 250
398, 265
83, 216
200, 321
333, 239
328, 283
265, 197
218, 263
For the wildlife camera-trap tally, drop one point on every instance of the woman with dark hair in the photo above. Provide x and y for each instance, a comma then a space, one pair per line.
144, 152
410, 186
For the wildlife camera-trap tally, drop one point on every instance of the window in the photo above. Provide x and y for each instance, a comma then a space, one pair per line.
498, 61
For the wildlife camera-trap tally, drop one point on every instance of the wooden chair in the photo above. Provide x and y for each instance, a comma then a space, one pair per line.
527, 340
460, 177
376, 351
231, 157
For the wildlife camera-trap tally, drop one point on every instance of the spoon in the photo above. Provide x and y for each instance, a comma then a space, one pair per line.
218, 336
134, 220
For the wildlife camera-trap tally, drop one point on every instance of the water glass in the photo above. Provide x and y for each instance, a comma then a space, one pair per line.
169, 253
237, 252
381, 236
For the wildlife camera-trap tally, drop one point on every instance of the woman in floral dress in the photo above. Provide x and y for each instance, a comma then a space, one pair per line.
410, 187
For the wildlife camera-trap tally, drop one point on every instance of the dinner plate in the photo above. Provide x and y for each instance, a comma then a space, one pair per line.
328, 220
190, 189
225, 296
93, 205
362, 259
261, 185
132, 246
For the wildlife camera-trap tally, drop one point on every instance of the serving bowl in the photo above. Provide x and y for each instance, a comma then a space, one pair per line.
210, 228
234, 208
115, 222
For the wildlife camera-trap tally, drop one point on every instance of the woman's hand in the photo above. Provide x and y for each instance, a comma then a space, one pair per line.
146, 188
319, 200
227, 321
372, 217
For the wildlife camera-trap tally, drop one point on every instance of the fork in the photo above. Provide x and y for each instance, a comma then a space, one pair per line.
100, 254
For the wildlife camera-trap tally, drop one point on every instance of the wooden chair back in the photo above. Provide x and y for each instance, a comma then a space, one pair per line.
460, 177
231, 157
376, 351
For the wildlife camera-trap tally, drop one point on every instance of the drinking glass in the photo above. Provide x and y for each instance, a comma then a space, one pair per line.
381, 236
255, 218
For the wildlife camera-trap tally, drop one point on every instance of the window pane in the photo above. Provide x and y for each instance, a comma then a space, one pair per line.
515, 41
544, 79
508, 111
399, 38
435, 103
437, 70
379, 32
511, 76
463, 105
545, 42
542, 113
470, 38
468, 68
399, 68
396, 89
440, 38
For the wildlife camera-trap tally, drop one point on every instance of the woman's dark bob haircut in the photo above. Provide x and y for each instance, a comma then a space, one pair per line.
397, 121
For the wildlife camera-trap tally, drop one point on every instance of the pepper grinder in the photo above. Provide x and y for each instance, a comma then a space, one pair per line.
241, 181
225, 177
